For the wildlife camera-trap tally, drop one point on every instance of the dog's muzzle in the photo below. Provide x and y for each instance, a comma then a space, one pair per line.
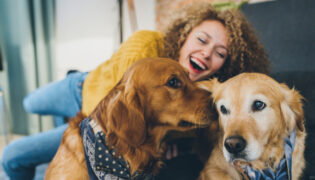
235, 144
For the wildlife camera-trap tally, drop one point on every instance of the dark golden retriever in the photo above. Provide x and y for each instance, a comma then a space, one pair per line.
154, 96
256, 117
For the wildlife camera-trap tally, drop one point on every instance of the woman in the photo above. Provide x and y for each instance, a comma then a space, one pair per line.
207, 43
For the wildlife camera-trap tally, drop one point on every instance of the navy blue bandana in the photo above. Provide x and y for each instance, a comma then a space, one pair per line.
106, 160
102, 162
284, 169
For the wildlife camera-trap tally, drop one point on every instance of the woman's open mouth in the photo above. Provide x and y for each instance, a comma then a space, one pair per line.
196, 66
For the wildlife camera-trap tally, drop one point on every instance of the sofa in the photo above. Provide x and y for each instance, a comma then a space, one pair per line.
286, 28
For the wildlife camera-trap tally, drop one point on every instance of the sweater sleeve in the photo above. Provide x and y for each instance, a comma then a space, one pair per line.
99, 82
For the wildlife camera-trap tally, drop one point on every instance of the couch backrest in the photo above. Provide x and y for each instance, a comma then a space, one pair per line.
286, 28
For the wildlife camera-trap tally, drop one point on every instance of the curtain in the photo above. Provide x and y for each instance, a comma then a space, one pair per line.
27, 35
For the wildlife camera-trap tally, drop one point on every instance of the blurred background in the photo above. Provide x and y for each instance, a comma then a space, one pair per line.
41, 40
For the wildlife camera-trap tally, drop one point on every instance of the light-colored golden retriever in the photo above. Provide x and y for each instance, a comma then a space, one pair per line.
256, 115
154, 96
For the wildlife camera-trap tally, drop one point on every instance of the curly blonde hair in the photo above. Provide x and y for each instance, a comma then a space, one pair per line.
245, 53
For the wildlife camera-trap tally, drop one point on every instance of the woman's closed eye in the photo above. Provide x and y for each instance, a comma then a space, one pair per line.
221, 55
221, 52
202, 40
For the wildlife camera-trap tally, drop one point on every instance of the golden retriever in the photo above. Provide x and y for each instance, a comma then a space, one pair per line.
154, 96
256, 115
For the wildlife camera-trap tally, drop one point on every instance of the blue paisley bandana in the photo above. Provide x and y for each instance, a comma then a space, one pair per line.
284, 169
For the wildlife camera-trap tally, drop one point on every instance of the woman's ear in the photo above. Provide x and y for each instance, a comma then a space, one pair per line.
292, 108
208, 85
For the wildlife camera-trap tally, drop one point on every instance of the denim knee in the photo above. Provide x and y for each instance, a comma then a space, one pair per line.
6, 160
60, 98
28, 105
11, 165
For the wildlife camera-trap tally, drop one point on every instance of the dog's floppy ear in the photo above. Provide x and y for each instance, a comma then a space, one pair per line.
126, 117
208, 85
292, 108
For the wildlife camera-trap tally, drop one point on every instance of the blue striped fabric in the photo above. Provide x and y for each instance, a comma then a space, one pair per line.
284, 169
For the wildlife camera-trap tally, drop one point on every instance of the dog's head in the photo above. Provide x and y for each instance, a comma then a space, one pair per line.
255, 112
154, 95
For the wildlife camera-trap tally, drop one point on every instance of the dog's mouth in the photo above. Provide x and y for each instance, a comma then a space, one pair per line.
237, 157
186, 124
231, 157
240, 162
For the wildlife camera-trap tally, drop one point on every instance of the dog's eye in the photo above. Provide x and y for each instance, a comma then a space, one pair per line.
174, 83
258, 105
223, 109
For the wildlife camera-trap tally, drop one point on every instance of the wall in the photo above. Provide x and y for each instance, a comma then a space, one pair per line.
88, 31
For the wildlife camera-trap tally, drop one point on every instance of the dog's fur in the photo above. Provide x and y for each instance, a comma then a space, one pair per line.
153, 97
263, 130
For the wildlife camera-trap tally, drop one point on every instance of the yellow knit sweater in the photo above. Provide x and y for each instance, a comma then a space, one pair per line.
100, 81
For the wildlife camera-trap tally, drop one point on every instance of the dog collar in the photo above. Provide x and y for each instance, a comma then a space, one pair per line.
284, 169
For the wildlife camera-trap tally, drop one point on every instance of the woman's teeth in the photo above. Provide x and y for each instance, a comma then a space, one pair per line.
197, 65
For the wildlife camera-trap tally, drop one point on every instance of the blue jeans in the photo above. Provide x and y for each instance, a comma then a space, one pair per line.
63, 98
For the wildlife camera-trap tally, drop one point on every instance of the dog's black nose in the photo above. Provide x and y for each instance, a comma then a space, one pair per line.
235, 144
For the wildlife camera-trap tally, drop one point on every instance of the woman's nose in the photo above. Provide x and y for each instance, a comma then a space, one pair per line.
207, 53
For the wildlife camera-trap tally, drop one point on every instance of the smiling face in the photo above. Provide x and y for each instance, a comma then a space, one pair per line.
205, 50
